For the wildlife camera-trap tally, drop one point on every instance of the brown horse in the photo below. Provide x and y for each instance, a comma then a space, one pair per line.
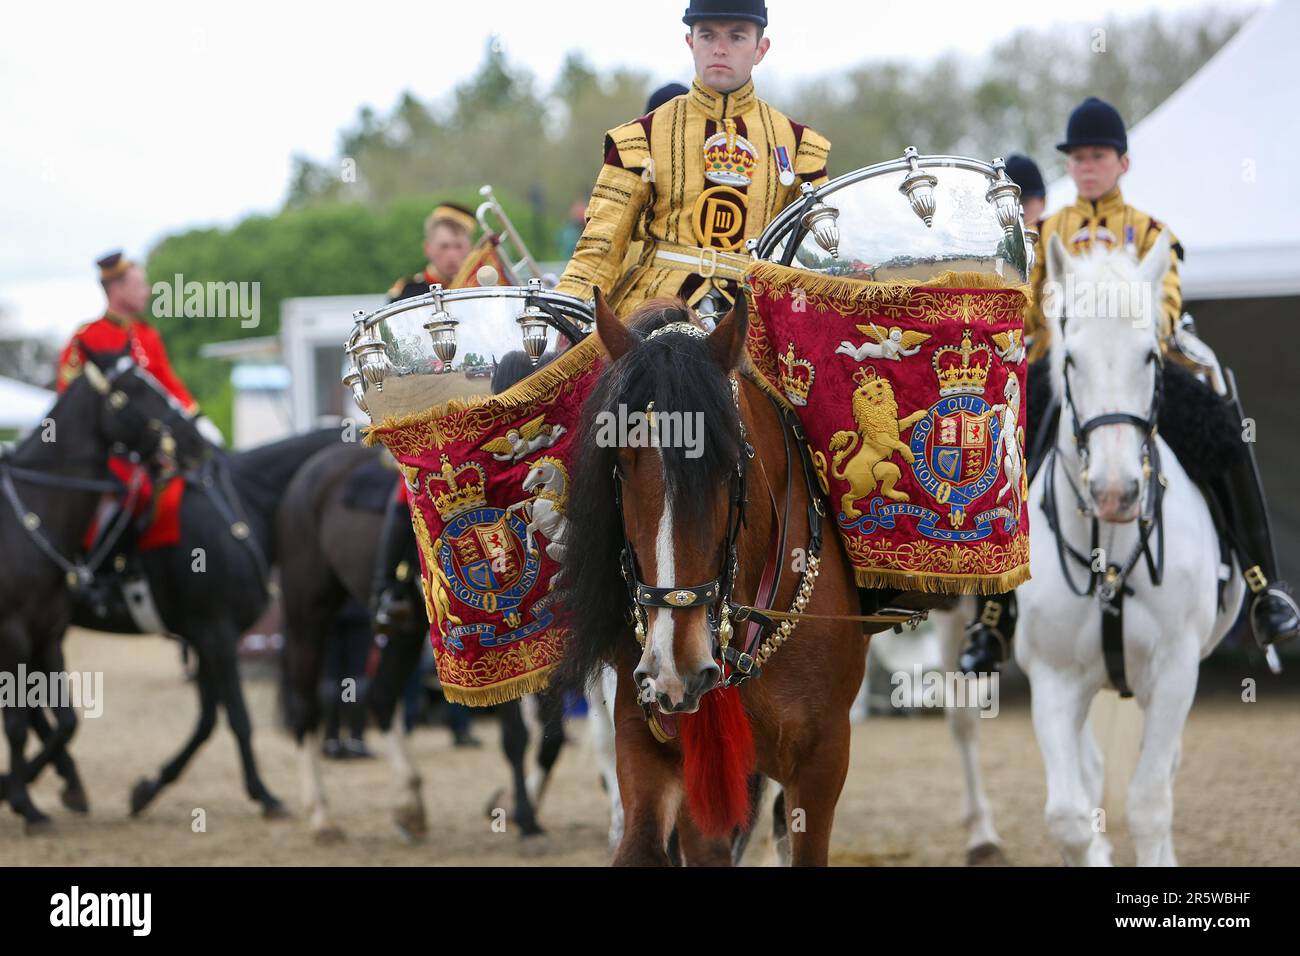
679, 508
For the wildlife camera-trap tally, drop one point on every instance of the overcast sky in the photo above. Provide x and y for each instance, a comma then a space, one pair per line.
122, 122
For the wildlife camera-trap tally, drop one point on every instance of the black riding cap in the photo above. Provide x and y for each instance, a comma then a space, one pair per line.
1095, 122
755, 11
1024, 172
662, 95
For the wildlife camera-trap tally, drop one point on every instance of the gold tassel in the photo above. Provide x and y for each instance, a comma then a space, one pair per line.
501, 693
943, 583
850, 293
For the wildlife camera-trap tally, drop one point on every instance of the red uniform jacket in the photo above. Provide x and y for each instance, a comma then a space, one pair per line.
113, 333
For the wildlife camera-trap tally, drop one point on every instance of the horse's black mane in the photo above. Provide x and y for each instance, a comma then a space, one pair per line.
679, 374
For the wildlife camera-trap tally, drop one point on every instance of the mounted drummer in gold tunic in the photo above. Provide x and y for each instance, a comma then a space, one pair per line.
696, 178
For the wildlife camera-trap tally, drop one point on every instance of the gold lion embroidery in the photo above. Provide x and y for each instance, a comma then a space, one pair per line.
875, 411
441, 603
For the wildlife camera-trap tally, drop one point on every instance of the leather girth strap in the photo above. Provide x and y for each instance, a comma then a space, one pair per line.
1112, 634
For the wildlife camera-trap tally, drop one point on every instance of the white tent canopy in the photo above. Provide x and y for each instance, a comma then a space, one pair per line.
22, 406
1217, 163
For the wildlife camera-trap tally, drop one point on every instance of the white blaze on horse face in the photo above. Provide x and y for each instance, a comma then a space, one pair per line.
659, 642
1111, 370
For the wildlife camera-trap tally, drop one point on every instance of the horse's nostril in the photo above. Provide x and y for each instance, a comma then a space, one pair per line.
704, 680
1130, 493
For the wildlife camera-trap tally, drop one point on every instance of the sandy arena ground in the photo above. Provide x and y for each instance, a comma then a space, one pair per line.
1236, 800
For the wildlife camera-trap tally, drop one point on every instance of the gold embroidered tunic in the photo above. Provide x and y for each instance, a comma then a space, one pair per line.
1111, 221
690, 182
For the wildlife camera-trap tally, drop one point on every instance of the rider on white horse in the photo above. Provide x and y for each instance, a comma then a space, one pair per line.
1097, 144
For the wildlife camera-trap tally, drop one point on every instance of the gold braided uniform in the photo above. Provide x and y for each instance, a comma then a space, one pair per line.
690, 182
1111, 221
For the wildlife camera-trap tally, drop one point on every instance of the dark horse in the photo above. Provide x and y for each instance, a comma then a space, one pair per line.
334, 557
51, 485
212, 585
656, 526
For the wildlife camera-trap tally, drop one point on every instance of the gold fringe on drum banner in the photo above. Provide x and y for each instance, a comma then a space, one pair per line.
489, 479
910, 395
849, 294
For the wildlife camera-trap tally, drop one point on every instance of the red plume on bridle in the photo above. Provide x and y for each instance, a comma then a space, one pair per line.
717, 760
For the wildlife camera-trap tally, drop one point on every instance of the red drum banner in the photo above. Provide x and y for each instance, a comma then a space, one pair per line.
911, 397
489, 479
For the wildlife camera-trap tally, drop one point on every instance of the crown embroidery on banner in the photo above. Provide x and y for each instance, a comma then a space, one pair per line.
466, 488
965, 370
796, 377
729, 158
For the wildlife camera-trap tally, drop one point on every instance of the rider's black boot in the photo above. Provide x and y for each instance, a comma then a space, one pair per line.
1274, 616
988, 637
103, 594
393, 607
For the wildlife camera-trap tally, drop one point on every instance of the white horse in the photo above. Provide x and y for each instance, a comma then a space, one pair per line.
1110, 354
1110, 359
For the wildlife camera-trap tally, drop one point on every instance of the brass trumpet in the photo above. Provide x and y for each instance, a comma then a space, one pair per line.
525, 267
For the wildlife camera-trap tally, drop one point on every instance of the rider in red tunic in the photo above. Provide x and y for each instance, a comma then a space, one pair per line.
122, 330
121, 327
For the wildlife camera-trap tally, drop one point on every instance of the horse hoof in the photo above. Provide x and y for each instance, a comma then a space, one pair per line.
986, 854
38, 826
494, 803
74, 799
534, 844
411, 823
273, 809
142, 795
328, 835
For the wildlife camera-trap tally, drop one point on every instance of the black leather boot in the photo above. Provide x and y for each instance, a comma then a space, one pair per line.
103, 594
1239, 492
988, 637
391, 590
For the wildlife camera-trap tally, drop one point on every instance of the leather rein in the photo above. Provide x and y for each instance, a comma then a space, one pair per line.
1110, 583
78, 572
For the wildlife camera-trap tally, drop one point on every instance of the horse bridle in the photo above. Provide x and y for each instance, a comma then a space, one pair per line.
79, 573
1110, 583
715, 594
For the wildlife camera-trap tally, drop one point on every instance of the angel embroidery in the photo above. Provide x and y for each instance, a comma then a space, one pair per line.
893, 345
1010, 346
529, 437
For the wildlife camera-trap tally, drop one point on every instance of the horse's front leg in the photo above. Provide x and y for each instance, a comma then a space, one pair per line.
983, 844
1151, 791
649, 781
810, 798
1060, 705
